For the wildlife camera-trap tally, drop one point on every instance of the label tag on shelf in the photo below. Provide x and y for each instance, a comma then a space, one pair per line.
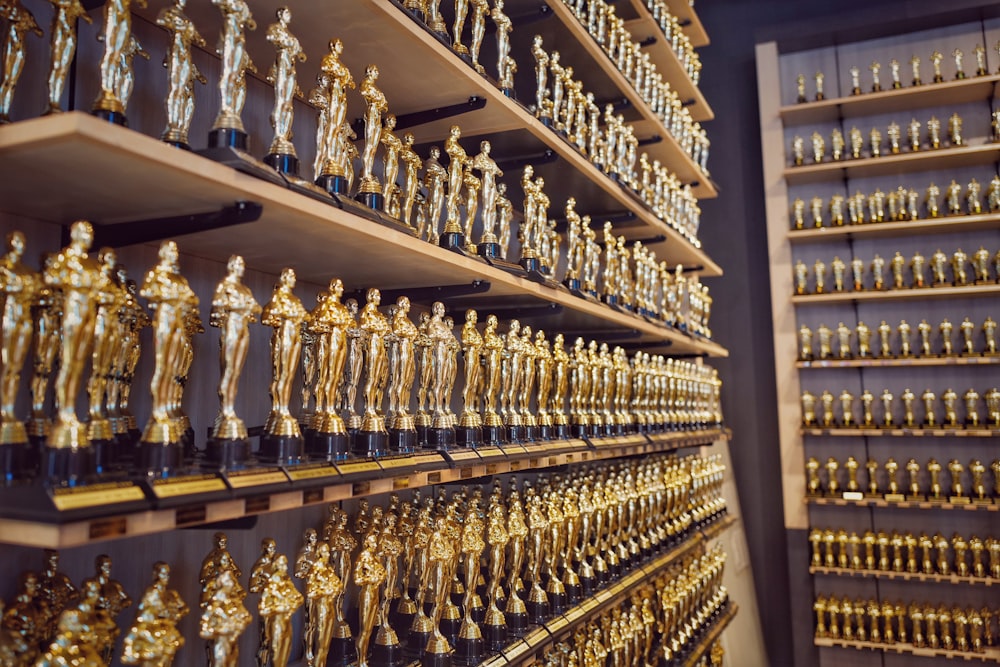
854, 495
96, 495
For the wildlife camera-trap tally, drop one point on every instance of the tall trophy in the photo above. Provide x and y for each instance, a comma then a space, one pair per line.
281, 155
372, 437
402, 371
469, 432
326, 436
330, 95
233, 310
282, 441
19, 23
369, 189
117, 38
107, 333
181, 73
63, 46
452, 237
489, 246
441, 434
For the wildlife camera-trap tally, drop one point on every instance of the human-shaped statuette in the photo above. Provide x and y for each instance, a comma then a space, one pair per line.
284, 313
19, 22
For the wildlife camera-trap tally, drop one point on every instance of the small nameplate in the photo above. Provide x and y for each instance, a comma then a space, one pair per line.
556, 624
170, 488
424, 459
354, 467
96, 495
535, 637
490, 452
462, 456
516, 650
574, 614
395, 464
300, 473
894, 497
853, 495
495, 661
959, 500
588, 605
242, 480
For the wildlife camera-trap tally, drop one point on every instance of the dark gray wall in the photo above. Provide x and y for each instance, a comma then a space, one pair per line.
733, 231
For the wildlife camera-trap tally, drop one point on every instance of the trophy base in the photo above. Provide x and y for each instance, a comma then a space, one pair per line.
530, 264
116, 117
332, 183
494, 435
16, 461
544, 432
159, 458
450, 627
516, 433
537, 612
227, 454
441, 438
588, 585
454, 241
69, 465
326, 446
228, 137
386, 655
436, 660
281, 449
557, 602
342, 651
573, 593
469, 651
104, 451
579, 430
370, 443
183, 145
416, 642
402, 441
489, 251
373, 200
560, 432
508, 92
237, 158
573, 285
517, 624
468, 436
496, 637
547, 121
283, 163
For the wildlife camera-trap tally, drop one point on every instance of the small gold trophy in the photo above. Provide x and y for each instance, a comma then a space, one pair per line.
181, 73
369, 189
371, 438
402, 371
19, 23
153, 640
227, 130
329, 322
118, 41
63, 47
282, 440
281, 155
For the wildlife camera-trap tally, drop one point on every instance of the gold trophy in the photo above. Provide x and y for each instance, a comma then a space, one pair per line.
369, 189
371, 438
117, 38
282, 441
369, 574
489, 246
63, 47
330, 96
223, 619
497, 535
281, 155
387, 650
153, 640
181, 73
468, 432
470, 644
233, 310
452, 237
19, 23
279, 600
329, 322
402, 370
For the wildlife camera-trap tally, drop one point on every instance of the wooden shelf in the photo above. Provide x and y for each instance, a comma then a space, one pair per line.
957, 432
946, 225
887, 164
142, 178
705, 644
326, 483
951, 93
922, 294
904, 504
897, 363
904, 576
668, 150
990, 654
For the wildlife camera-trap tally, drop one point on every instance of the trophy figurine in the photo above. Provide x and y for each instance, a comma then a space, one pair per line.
402, 370
233, 310
110, 299
369, 188
488, 246
282, 440
281, 155
452, 237
223, 620
19, 23
329, 322
441, 553
181, 73
369, 574
441, 434
469, 430
227, 130
279, 600
515, 611
63, 47
20, 287
505, 63
117, 37
330, 95
470, 644
492, 352
372, 437
388, 650
153, 640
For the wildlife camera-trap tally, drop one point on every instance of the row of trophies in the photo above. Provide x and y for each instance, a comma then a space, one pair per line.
981, 262
81, 308
904, 331
875, 68
949, 400
672, 28
976, 492
416, 566
899, 205
856, 145
951, 559
609, 31
965, 630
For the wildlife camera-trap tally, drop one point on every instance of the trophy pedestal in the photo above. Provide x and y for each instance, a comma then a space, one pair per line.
159, 458
436, 659
417, 640
370, 443
516, 433
183, 145
441, 438
104, 454
544, 432
547, 121
574, 592
469, 650
508, 92
468, 436
373, 200
402, 441
493, 435
228, 146
530, 433
579, 431
187, 444
489, 251
453, 241
495, 636
326, 446
70, 464
386, 655
530, 264
333, 183
283, 163
15, 461
342, 651
450, 627
557, 602
281, 449
538, 611
228, 454
517, 624
116, 117
588, 583
560, 432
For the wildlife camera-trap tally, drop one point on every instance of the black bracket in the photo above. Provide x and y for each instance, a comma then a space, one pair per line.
692, 269
650, 240
158, 229
603, 335
649, 41
428, 294
520, 161
617, 103
540, 13
687, 103
524, 312
684, 22
408, 120
655, 139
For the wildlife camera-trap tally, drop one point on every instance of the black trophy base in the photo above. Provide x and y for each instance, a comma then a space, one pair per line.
342, 651
560, 432
227, 454
373, 200
496, 637
468, 436
104, 454
159, 458
441, 438
530, 264
494, 435
323, 446
416, 642
281, 449
516, 433
422, 435
402, 441
334, 184
508, 92
517, 624
489, 251
116, 117
469, 651
547, 121
15, 461
386, 655
573, 593
370, 443
538, 612
579, 430
283, 163
557, 603
228, 146
69, 465
183, 145
611, 300
453, 241
530, 434
573, 285
436, 660
588, 585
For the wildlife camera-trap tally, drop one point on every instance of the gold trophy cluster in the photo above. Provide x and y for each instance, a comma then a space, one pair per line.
898, 625
82, 311
898, 552
976, 341
457, 576
982, 268
825, 417
899, 205
895, 83
917, 487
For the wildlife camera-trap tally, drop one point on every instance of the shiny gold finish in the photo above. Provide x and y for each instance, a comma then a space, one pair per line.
20, 287
118, 42
223, 619
63, 46
375, 106
181, 71
369, 574
282, 77
236, 19
375, 328
19, 22
284, 313
153, 640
